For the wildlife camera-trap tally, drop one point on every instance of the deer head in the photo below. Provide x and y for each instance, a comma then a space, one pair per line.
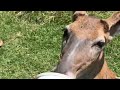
83, 44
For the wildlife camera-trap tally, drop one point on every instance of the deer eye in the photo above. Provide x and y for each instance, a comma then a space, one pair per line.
99, 44
65, 37
66, 34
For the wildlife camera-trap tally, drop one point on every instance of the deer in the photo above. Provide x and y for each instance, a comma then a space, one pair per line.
82, 50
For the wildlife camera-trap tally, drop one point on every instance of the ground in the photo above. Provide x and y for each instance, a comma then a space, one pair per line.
32, 42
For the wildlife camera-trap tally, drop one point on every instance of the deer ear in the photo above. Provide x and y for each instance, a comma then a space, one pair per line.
114, 24
79, 13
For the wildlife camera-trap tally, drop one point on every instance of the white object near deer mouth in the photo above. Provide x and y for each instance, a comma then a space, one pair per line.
52, 75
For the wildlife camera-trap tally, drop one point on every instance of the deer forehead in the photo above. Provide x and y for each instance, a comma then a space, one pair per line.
87, 27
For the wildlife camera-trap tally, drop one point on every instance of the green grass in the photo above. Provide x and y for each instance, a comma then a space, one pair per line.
32, 42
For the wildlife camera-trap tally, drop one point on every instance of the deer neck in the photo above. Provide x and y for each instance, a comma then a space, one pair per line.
98, 70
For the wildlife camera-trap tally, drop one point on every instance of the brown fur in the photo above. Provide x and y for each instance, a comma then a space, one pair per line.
84, 28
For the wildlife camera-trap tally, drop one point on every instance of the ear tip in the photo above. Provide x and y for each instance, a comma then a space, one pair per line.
117, 11
116, 14
113, 19
80, 12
